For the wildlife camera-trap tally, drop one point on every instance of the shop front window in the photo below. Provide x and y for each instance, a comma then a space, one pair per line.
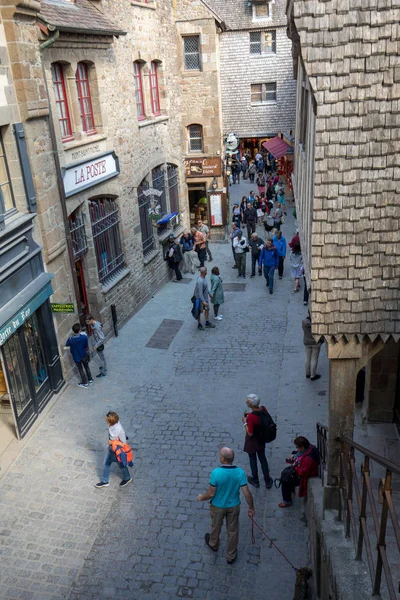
35, 352
146, 211
158, 175
17, 373
104, 217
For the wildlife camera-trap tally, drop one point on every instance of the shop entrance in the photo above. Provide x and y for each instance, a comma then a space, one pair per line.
198, 203
24, 375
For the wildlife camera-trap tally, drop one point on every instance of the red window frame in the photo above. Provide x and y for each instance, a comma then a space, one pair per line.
154, 89
139, 91
60, 93
85, 98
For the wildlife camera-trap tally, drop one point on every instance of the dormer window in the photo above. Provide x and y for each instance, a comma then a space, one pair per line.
261, 12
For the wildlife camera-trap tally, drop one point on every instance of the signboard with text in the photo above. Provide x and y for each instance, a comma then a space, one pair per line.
203, 167
62, 308
82, 175
216, 209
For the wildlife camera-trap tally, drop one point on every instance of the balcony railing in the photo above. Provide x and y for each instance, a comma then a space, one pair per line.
374, 532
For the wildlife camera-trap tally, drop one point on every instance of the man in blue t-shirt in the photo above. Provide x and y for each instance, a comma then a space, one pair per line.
79, 347
226, 482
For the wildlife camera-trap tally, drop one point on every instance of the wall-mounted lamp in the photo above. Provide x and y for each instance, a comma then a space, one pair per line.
214, 184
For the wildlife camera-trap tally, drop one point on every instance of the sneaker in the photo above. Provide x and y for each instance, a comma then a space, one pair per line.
101, 374
252, 481
280, 277
230, 562
269, 484
210, 325
125, 482
101, 484
218, 318
83, 385
90, 381
305, 303
315, 377
200, 326
271, 292
222, 316
260, 273
234, 267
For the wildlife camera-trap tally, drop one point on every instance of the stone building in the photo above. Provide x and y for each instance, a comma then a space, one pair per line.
346, 183
198, 33
257, 87
94, 113
30, 365
111, 91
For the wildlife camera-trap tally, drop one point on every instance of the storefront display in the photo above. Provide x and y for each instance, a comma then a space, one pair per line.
30, 367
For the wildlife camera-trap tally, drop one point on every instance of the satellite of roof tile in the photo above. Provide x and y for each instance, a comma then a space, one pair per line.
76, 16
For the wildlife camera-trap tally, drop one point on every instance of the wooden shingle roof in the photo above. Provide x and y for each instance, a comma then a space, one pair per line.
78, 16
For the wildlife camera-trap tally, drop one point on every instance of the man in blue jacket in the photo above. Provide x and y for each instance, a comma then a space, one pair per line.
79, 347
269, 258
280, 244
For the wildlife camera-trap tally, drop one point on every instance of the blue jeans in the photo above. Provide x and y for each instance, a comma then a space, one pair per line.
108, 459
264, 465
269, 273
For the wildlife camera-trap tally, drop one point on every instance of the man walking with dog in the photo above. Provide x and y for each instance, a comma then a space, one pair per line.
226, 481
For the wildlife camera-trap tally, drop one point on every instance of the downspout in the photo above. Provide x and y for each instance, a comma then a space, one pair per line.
60, 186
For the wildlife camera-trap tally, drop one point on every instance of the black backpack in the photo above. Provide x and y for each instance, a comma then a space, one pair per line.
265, 431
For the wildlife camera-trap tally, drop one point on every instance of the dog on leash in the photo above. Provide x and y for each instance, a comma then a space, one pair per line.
301, 590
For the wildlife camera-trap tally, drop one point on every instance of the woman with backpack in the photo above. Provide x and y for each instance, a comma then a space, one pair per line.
118, 451
304, 464
255, 440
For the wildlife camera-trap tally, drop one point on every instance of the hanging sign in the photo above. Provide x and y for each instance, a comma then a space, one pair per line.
203, 167
216, 209
62, 308
82, 175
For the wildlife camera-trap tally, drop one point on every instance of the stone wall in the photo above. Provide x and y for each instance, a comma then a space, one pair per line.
351, 59
239, 69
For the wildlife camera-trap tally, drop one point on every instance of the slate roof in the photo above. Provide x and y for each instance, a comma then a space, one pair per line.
238, 14
76, 16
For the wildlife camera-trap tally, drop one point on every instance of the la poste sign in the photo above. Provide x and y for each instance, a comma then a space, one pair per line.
82, 175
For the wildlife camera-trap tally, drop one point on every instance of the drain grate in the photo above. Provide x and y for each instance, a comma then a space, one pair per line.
234, 287
164, 334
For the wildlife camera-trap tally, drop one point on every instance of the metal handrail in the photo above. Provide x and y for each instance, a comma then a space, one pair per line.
358, 499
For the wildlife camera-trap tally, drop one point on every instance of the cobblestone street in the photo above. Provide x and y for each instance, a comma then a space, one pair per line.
62, 538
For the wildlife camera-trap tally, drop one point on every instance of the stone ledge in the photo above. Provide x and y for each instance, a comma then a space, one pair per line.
154, 121
150, 256
121, 275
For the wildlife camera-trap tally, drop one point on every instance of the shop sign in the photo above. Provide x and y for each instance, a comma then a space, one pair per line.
82, 175
62, 308
216, 209
203, 167
7, 330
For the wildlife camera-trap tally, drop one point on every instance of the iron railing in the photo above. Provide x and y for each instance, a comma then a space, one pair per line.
359, 506
322, 445
78, 235
104, 217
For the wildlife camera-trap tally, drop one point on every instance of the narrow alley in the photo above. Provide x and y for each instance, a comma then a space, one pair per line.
66, 539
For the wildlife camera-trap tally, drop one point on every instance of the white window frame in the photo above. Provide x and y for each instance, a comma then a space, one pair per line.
257, 18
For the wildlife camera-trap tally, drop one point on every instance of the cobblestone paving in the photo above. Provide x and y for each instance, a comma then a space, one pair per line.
60, 538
